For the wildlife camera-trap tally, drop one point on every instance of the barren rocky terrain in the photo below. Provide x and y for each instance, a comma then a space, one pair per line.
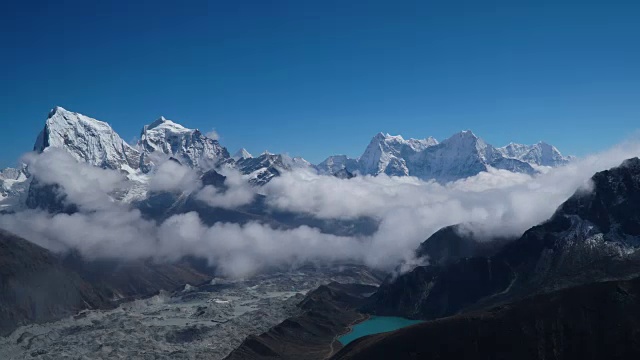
205, 322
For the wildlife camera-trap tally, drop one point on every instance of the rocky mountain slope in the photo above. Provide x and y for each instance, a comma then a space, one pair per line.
594, 321
456, 242
35, 286
38, 285
196, 321
325, 312
593, 236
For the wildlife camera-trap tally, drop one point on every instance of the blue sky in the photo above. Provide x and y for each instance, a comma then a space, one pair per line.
315, 78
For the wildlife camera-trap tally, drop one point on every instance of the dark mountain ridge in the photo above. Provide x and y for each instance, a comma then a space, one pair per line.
591, 237
593, 321
37, 287
455, 242
325, 312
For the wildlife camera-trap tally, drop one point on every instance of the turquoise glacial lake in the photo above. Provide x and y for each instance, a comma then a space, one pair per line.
376, 325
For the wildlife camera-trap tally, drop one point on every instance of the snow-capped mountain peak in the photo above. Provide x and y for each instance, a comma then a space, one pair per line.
464, 137
95, 142
336, 163
86, 139
461, 155
296, 162
468, 142
13, 185
168, 125
541, 153
166, 138
242, 154
421, 144
386, 154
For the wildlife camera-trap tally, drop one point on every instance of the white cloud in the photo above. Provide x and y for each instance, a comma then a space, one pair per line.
409, 210
170, 176
238, 192
87, 186
213, 134
113, 233
243, 249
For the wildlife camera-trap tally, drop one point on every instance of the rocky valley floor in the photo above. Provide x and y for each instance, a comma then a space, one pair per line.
204, 322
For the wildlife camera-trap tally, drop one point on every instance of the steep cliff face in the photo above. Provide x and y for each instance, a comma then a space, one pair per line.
87, 140
388, 154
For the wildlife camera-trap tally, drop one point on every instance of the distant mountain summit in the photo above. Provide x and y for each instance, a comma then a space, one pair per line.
242, 154
541, 154
462, 155
95, 142
189, 146
87, 140
387, 154
337, 163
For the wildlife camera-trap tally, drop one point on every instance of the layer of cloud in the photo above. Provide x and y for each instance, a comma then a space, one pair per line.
409, 210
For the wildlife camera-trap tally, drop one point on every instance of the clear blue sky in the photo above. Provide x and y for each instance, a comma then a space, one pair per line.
315, 78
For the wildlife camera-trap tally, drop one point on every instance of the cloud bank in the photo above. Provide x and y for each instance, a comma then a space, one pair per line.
494, 203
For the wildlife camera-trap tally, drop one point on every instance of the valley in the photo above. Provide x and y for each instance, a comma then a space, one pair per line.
205, 321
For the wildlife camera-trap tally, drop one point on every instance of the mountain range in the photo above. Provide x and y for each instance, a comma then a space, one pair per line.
94, 142
462, 155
